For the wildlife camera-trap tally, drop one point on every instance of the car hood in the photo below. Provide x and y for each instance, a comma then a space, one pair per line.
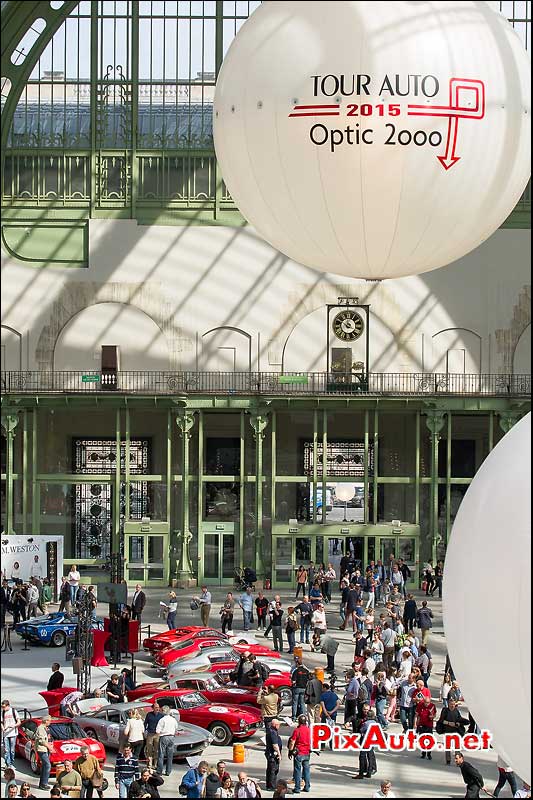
71, 748
187, 734
245, 712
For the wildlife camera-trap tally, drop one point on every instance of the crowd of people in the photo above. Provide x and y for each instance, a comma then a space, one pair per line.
386, 684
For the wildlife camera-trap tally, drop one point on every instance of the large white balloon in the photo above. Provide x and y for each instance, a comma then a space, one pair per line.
487, 597
374, 139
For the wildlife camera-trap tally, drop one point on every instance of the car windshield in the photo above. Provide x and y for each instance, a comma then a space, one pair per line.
61, 731
181, 645
192, 700
216, 659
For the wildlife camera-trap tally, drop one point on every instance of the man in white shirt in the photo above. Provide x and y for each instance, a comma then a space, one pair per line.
167, 727
525, 791
36, 570
205, 605
388, 637
385, 790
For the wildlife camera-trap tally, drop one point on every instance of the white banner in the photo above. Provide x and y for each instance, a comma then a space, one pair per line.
24, 557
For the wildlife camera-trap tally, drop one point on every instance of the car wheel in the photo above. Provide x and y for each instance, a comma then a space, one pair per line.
34, 764
221, 732
286, 696
58, 639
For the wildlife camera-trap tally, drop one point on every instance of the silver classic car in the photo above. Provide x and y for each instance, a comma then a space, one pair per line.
107, 726
215, 655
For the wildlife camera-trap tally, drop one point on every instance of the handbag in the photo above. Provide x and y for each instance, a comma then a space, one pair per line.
424, 586
97, 780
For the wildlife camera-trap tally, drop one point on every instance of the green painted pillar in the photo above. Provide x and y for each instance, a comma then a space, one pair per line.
259, 421
509, 418
435, 424
185, 422
9, 423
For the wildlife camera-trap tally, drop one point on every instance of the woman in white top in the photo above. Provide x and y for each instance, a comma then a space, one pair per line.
15, 571
172, 610
134, 732
73, 578
226, 790
377, 648
406, 664
319, 620
445, 690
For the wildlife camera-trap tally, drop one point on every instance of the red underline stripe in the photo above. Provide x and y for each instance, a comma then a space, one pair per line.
317, 114
317, 106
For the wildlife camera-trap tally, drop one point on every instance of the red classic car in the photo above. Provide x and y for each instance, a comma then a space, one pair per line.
208, 684
184, 648
225, 721
161, 640
67, 740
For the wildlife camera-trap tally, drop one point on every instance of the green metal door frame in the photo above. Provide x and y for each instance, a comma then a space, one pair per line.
219, 529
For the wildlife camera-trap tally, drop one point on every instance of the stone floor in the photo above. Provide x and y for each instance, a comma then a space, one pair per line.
25, 672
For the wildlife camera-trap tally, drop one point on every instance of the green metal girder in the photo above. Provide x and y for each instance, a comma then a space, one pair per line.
234, 403
16, 19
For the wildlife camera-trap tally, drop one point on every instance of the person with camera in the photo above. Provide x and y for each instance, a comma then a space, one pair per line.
273, 748
226, 614
146, 786
172, 609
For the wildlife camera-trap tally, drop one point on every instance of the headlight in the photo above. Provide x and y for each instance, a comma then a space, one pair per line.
243, 724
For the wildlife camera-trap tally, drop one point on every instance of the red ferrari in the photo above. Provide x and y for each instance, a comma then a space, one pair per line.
67, 741
206, 683
184, 648
225, 721
196, 632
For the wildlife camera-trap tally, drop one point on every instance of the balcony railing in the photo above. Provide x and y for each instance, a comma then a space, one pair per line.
265, 383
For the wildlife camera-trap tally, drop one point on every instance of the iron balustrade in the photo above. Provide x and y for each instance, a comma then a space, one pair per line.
267, 383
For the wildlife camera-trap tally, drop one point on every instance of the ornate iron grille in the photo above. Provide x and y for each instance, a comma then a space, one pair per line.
93, 502
345, 459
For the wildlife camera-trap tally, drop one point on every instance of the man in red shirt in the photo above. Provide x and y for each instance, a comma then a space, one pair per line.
420, 691
300, 750
425, 715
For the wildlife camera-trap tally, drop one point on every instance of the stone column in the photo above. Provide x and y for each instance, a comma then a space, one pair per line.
259, 421
9, 423
435, 423
185, 574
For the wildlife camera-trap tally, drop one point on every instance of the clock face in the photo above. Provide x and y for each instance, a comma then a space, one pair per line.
348, 325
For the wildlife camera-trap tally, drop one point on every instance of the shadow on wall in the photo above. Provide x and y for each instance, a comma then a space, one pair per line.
142, 344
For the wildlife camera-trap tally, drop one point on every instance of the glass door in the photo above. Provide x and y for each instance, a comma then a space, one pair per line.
147, 560
408, 550
219, 559
284, 568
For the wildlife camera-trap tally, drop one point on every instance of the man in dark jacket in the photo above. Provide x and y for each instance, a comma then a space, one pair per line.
300, 677
451, 721
138, 603
424, 617
145, 786
410, 613
471, 776
55, 681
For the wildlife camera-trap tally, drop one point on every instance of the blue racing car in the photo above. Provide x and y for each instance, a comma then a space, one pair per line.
51, 629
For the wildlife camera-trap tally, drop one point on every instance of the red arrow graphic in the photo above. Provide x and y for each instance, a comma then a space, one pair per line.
454, 111
449, 159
